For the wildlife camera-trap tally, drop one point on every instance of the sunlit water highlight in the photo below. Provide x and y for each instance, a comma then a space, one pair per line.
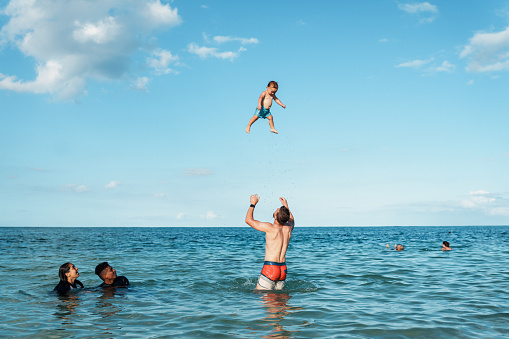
198, 282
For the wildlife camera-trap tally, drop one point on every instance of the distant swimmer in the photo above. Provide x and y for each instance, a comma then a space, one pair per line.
68, 274
397, 247
109, 276
277, 238
445, 246
264, 104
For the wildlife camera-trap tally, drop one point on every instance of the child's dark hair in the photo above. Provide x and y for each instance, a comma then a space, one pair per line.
273, 84
99, 268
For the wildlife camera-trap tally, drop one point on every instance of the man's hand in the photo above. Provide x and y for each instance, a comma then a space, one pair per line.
254, 199
284, 202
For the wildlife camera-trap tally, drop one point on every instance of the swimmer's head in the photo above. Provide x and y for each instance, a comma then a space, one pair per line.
400, 247
67, 271
445, 243
273, 84
105, 271
282, 215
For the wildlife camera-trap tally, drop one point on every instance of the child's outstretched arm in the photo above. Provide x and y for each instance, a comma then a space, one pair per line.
279, 102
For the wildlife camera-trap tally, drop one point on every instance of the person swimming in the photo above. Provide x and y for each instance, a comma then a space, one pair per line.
109, 276
397, 247
445, 246
68, 274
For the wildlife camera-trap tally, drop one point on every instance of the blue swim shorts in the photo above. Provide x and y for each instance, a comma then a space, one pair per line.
262, 113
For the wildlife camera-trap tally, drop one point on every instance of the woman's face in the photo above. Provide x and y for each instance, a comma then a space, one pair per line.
73, 272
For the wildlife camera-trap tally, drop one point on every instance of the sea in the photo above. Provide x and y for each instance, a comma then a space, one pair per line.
198, 282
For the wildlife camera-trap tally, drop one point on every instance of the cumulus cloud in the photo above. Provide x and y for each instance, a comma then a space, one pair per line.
487, 52
424, 10
73, 42
75, 188
112, 184
161, 60
205, 52
197, 172
214, 52
446, 66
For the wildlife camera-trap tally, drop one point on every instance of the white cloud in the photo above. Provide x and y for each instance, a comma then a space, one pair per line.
205, 52
383, 40
487, 52
140, 84
243, 41
470, 82
478, 199
75, 188
73, 42
181, 216
160, 61
101, 32
197, 172
159, 195
446, 66
112, 184
210, 215
426, 11
414, 63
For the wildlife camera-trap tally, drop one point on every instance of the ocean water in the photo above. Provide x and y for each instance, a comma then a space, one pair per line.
198, 282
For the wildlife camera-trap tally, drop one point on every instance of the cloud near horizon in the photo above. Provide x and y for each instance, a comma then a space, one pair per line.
205, 52
73, 42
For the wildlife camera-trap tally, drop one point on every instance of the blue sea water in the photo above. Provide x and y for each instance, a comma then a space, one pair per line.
198, 282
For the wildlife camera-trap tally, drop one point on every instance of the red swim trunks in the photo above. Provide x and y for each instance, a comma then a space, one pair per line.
272, 272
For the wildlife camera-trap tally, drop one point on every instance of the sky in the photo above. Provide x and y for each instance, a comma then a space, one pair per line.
133, 112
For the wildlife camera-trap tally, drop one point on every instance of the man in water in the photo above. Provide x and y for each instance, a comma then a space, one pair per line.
445, 246
397, 247
109, 276
277, 238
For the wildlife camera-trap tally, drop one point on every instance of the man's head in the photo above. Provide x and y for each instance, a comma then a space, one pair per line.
282, 215
400, 247
445, 243
105, 271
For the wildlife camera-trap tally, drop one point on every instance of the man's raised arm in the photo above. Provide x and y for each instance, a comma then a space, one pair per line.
257, 225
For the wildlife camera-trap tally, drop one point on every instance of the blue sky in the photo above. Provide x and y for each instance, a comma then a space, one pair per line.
132, 113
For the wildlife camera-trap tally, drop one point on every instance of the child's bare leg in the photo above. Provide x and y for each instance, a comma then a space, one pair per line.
271, 124
253, 119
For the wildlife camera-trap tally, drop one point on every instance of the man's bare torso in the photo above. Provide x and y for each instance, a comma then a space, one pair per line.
276, 243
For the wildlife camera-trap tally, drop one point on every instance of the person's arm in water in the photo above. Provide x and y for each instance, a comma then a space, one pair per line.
279, 102
291, 221
257, 225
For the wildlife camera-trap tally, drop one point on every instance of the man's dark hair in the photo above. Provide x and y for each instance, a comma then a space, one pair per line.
273, 84
283, 215
65, 268
99, 268
446, 243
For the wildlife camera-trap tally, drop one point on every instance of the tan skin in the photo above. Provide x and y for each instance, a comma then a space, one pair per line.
277, 237
108, 275
72, 275
445, 248
265, 99
397, 247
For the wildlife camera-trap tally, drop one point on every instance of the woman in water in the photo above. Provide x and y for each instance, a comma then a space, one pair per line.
68, 274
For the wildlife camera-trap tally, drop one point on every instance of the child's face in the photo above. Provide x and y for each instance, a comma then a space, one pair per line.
272, 90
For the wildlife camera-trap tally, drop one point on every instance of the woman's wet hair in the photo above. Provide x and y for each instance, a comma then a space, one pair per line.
283, 215
65, 268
